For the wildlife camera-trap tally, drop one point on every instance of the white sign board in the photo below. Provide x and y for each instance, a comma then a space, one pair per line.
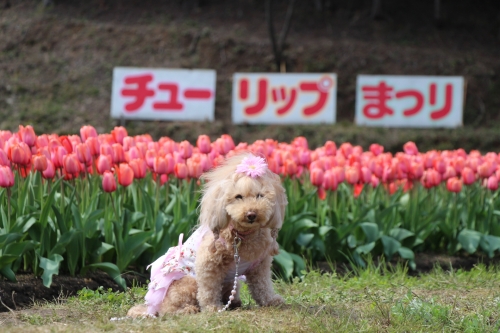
264, 98
409, 101
163, 94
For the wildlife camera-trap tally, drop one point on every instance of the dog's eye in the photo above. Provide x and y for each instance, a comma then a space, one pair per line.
238, 196
259, 196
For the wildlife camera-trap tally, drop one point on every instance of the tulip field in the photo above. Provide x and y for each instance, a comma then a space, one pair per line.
114, 202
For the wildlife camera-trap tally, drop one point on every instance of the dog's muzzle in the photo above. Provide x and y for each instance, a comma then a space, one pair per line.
251, 216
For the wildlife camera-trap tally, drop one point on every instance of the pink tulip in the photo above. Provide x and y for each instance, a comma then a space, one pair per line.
108, 182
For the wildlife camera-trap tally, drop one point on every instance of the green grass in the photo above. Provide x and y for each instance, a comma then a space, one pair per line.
371, 300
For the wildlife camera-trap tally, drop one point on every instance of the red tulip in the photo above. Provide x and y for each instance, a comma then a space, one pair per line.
485, 170
57, 156
316, 177
128, 142
330, 181
454, 184
66, 143
118, 133
365, 175
28, 135
321, 193
376, 149
83, 153
330, 148
103, 164
94, 145
431, 178
108, 182
163, 165
6, 176
300, 142
290, 167
203, 143
139, 168
118, 155
410, 148
468, 176
71, 164
492, 183
352, 175
449, 173
40, 162
195, 168
50, 171
20, 154
4, 159
87, 132
185, 149
106, 149
125, 174
180, 170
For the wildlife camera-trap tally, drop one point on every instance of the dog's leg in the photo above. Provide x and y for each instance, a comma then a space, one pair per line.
261, 286
210, 272
138, 311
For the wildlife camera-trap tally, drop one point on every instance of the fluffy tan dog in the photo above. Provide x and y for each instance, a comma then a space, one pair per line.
243, 203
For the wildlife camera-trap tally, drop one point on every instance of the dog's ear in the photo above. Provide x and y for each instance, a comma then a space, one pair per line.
278, 216
212, 207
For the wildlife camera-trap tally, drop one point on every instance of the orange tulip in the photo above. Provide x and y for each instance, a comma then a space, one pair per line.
125, 174
108, 182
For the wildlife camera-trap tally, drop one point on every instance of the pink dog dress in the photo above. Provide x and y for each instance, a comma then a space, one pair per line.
179, 262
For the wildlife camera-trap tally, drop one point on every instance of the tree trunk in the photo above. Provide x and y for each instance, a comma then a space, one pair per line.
278, 45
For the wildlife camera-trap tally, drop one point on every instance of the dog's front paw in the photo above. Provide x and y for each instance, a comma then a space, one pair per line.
275, 301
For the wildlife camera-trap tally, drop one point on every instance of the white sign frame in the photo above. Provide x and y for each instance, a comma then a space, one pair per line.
195, 89
404, 98
280, 89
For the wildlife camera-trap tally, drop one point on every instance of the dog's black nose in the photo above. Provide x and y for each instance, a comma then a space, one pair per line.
251, 216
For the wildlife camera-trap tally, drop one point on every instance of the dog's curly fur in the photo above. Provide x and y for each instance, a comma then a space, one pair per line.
232, 204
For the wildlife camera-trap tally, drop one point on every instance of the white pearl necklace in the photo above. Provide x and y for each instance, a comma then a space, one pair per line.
236, 245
